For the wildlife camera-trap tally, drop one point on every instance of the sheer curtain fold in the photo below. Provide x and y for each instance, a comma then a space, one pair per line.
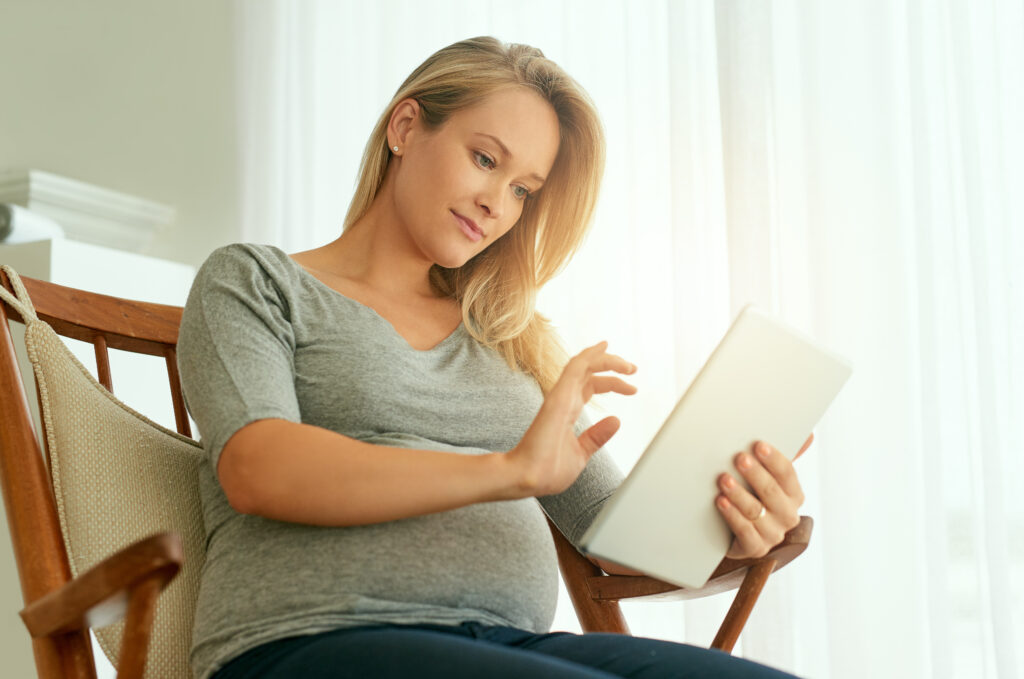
855, 169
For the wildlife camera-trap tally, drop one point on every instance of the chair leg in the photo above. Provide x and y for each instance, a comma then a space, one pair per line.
593, 615
746, 597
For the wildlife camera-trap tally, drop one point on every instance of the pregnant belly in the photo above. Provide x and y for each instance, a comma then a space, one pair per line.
494, 556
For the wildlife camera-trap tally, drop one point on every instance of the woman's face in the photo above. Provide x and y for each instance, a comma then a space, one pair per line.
478, 167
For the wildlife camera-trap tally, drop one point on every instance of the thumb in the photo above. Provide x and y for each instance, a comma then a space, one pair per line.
807, 444
599, 434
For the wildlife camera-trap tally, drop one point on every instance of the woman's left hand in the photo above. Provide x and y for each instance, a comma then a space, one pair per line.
759, 522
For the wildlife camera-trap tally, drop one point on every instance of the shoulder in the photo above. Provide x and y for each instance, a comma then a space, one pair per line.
247, 256
247, 273
248, 264
238, 285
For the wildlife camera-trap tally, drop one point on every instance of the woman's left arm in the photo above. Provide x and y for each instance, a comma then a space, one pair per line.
760, 520
612, 568
769, 474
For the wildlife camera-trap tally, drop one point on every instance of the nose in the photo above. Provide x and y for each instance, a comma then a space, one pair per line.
490, 200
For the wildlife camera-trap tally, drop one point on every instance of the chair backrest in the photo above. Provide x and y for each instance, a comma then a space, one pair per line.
114, 475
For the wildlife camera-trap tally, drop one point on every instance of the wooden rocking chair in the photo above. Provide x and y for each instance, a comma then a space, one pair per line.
103, 523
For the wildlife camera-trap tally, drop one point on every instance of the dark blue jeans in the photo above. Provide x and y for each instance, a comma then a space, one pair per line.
475, 650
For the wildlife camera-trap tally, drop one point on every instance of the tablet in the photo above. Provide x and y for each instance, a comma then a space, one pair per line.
764, 381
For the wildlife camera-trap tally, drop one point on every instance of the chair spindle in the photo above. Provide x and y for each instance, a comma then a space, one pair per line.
180, 414
102, 362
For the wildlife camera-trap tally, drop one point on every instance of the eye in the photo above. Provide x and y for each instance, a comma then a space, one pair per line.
482, 159
486, 159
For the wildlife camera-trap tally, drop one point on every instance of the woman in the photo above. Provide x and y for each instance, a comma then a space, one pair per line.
388, 420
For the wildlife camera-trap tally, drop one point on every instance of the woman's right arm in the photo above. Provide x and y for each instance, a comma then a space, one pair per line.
236, 345
335, 480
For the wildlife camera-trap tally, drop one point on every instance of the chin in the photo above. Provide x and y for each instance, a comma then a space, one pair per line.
449, 263
454, 257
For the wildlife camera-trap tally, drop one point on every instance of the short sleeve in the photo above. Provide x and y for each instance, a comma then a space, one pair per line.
575, 508
235, 348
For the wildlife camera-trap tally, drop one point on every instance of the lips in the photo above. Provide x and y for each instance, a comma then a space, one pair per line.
469, 222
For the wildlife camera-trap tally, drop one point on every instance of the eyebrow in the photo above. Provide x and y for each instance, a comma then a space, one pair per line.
508, 154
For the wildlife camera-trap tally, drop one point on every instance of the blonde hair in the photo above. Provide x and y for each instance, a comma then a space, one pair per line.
497, 288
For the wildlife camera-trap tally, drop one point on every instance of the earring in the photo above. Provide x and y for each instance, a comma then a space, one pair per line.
395, 149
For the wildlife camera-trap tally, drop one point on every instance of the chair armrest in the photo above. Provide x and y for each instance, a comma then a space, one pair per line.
100, 596
728, 576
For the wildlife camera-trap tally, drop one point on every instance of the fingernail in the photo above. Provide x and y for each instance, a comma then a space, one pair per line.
743, 462
729, 482
762, 449
722, 502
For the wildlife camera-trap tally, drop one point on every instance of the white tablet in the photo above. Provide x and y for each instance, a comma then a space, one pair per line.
765, 381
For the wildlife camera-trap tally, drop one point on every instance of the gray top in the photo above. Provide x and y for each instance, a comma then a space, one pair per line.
262, 337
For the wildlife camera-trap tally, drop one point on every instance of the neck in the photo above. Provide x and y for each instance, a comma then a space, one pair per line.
378, 252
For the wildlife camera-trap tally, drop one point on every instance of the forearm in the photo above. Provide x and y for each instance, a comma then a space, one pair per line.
306, 474
612, 568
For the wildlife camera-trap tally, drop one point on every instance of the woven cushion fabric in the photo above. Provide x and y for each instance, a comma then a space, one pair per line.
119, 477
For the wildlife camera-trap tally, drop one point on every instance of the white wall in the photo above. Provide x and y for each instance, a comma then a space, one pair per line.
131, 95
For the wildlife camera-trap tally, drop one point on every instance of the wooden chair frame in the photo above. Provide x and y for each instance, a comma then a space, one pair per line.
60, 610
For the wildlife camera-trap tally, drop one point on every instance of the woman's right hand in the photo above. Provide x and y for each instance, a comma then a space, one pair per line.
550, 456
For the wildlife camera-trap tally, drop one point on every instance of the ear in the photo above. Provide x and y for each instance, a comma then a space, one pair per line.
403, 123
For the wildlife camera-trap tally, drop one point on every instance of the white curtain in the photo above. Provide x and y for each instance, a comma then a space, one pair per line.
856, 169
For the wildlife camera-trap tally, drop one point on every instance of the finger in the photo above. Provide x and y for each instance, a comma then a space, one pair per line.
781, 469
736, 551
581, 360
748, 538
764, 485
598, 434
807, 444
591, 359
597, 359
771, 527
748, 505
604, 384
606, 361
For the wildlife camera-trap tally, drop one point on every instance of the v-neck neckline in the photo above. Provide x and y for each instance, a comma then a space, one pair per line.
451, 337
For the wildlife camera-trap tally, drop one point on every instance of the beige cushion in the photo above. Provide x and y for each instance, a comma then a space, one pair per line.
119, 477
